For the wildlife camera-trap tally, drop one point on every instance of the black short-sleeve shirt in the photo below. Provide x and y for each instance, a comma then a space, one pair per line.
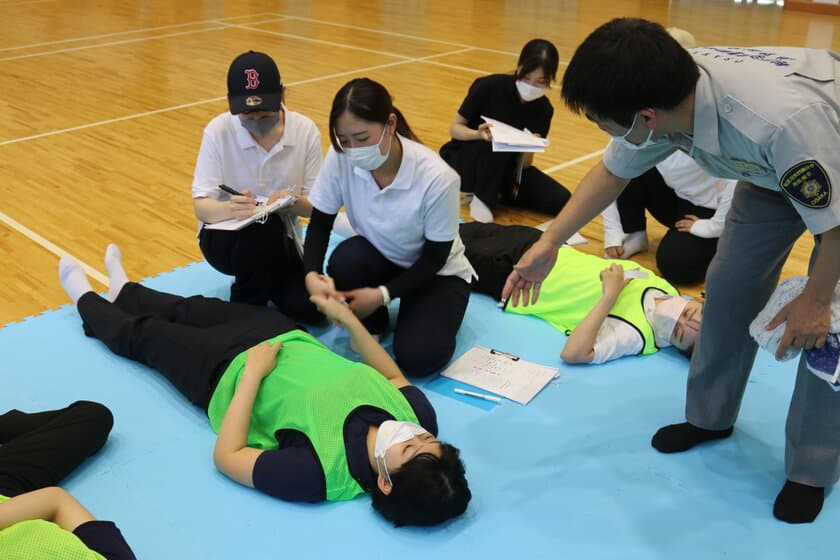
293, 472
495, 96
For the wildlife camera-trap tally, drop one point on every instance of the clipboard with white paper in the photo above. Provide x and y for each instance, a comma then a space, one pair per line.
501, 373
233, 224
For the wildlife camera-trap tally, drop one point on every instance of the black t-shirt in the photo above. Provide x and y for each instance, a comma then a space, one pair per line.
293, 472
105, 538
495, 96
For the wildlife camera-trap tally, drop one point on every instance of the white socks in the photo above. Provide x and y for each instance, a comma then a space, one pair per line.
636, 242
480, 212
73, 278
117, 278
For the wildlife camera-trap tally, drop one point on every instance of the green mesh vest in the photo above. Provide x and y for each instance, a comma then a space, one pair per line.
311, 390
573, 287
30, 540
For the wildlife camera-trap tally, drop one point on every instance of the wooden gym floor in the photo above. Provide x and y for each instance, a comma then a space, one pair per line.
104, 104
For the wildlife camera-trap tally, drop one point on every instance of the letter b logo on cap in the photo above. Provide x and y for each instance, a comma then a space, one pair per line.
253, 78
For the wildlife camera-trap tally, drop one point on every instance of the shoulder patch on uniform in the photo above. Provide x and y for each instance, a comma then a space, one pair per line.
808, 184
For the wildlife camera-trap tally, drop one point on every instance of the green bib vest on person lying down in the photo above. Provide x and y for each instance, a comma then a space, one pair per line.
37, 538
312, 390
573, 287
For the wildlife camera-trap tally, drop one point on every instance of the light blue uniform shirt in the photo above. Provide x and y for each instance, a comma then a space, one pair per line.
764, 115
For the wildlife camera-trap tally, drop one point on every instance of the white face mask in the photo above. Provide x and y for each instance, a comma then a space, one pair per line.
665, 314
368, 158
528, 92
391, 433
630, 145
262, 126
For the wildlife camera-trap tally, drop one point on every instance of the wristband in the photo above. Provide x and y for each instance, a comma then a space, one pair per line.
386, 295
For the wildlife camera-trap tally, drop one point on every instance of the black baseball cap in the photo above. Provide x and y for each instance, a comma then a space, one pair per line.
254, 83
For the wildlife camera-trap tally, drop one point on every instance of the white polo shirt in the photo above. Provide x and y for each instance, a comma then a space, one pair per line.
691, 183
765, 115
230, 155
423, 202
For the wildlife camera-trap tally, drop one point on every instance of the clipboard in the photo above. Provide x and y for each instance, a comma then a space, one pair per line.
501, 373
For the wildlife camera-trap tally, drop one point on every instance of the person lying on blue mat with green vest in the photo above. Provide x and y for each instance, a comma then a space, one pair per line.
38, 519
294, 419
607, 312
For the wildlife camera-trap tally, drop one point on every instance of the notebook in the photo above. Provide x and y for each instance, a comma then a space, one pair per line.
262, 211
509, 139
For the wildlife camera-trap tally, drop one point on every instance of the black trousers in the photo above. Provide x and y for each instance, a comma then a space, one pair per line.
491, 176
40, 449
682, 258
429, 318
265, 266
189, 340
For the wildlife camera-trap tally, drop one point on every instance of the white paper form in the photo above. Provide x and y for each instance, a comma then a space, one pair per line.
501, 373
233, 224
509, 139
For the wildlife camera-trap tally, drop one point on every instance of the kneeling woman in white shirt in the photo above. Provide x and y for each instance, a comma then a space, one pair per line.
402, 199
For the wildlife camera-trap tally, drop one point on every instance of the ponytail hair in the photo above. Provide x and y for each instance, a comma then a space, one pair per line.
369, 101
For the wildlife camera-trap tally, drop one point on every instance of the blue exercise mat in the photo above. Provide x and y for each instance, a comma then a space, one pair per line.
570, 475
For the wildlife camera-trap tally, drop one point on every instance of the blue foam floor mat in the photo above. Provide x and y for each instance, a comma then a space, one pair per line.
570, 475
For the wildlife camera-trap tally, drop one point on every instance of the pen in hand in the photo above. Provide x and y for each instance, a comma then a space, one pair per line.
231, 191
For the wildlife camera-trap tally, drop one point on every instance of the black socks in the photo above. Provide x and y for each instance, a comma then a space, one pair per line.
798, 503
682, 437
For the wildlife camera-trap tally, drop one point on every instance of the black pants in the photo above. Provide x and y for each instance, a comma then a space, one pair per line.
189, 340
682, 258
492, 176
265, 264
40, 449
429, 318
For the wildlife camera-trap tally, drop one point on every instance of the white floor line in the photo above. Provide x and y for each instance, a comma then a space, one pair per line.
118, 33
215, 99
51, 247
572, 162
112, 43
320, 41
455, 66
396, 34
109, 121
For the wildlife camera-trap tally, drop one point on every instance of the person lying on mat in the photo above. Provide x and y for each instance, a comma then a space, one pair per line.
37, 518
294, 419
607, 312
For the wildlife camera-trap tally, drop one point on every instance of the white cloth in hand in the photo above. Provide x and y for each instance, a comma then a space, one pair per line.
784, 293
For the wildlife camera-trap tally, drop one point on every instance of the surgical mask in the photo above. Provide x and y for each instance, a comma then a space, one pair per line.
630, 145
528, 92
391, 433
368, 158
262, 126
666, 312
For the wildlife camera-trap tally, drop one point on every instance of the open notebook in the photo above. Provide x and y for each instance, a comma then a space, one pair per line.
509, 139
261, 211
